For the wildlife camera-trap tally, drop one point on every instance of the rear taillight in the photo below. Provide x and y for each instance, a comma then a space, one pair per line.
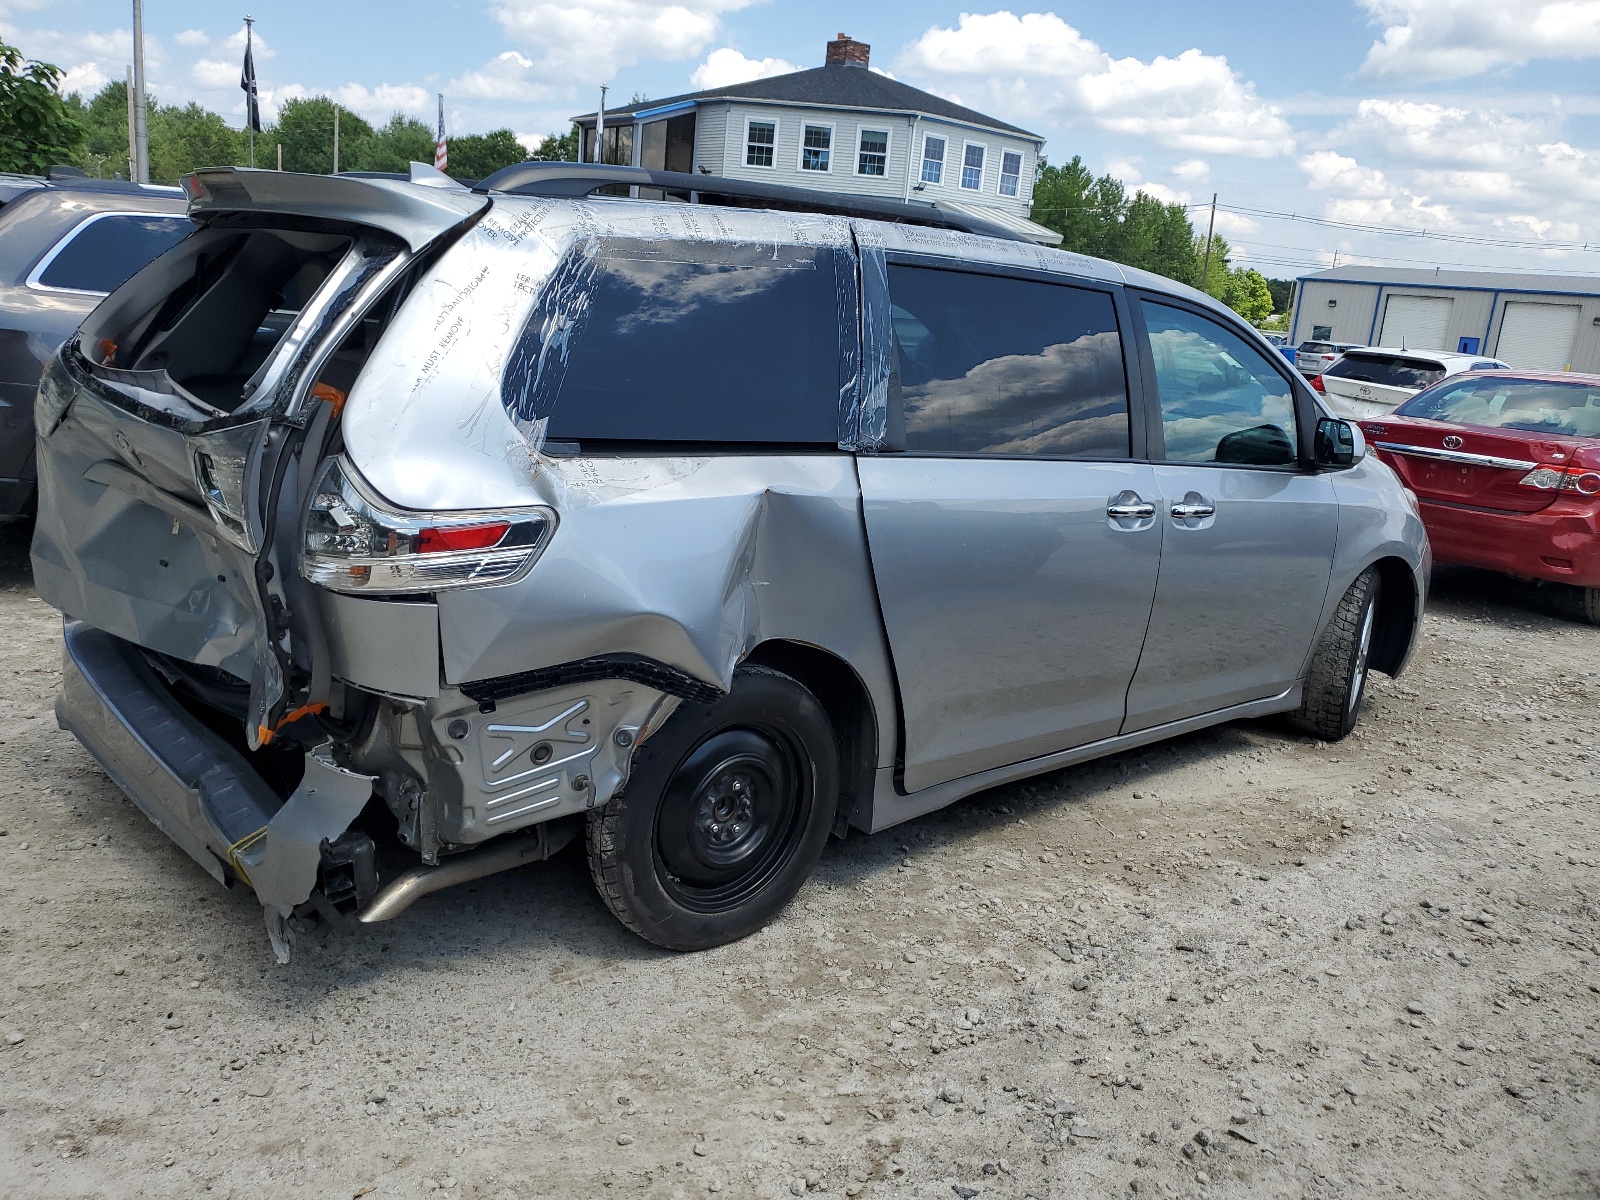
352, 542
1563, 479
1316, 384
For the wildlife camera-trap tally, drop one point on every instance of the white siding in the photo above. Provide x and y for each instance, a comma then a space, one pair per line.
727, 127
709, 131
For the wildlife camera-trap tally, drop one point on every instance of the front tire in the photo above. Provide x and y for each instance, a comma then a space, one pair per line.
1337, 680
723, 817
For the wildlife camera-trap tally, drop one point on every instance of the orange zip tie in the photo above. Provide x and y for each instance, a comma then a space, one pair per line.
108, 350
325, 391
266, 735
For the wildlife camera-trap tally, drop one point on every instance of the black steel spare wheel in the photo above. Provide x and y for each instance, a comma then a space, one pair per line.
724, 816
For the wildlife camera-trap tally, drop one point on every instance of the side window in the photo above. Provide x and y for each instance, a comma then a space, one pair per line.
759, 138
103, 253
680, 342
989, 365
1221, 400
933, 159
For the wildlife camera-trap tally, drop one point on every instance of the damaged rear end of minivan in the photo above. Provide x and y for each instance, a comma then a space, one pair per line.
182, 436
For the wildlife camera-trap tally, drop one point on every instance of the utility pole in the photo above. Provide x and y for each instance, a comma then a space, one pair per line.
600, 129
335, 139
141, 139
1205, 271
133, 139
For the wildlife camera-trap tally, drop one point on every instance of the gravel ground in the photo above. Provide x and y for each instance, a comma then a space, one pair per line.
1239, 964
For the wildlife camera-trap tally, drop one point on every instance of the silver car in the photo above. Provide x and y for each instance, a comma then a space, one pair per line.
403, 532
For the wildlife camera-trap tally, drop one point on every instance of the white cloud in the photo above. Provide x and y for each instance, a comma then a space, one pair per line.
1192, 168
1328, 171
379, 103
1038, 66
1452, 39
589, 40
509, 76
192, 37
725, 66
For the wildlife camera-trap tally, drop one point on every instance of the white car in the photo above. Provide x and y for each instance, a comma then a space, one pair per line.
1374, 380
1313, 358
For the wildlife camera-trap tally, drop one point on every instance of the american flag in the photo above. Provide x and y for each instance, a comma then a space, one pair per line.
441, 147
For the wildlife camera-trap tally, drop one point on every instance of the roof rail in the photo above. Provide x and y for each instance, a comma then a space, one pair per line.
582, 179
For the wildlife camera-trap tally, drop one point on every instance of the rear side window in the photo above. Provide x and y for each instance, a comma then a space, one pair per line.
990, 365
684, 343
1390, 370
1494, 402
1221, 400
103, 253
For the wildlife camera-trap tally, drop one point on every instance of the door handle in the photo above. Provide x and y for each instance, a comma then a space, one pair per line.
1184, 510
1130, 509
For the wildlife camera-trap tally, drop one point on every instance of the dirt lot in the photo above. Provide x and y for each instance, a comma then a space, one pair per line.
1206, 969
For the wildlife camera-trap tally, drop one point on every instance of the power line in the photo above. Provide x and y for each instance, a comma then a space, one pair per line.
1431, 234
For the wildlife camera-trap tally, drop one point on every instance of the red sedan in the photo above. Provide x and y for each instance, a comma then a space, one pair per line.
1506, 465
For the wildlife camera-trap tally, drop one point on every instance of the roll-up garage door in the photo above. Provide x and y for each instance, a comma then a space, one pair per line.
1416, 322
1538, 337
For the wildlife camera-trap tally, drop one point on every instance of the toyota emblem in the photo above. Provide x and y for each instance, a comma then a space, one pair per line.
1365, 392
1452, 442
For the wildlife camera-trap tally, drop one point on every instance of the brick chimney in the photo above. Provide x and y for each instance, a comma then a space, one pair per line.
845, 51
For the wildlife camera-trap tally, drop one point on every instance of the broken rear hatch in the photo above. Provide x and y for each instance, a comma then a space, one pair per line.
170, 428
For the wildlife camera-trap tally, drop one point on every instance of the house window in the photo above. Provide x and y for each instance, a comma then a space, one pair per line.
933, 160
759, 139
872, 157
1010, 172
972, 168
816, 148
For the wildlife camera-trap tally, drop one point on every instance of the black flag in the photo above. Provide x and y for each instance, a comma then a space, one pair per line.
247, 80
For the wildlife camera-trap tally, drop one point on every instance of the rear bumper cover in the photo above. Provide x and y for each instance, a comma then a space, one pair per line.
1558, 544
196, 788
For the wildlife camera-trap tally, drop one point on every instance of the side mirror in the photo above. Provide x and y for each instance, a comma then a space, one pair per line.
1338, 444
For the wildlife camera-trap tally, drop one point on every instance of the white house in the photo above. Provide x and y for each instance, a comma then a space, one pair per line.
841, 127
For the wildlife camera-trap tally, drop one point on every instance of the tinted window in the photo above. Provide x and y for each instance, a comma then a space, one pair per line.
675, 343
1388, 369
1315, 348
988, 365
1221, 400
1498, 403
101, 255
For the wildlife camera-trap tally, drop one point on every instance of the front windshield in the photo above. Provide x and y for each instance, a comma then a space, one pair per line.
1536, 405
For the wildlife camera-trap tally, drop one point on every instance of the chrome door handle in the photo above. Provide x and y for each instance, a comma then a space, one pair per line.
1130, 510
1183, 510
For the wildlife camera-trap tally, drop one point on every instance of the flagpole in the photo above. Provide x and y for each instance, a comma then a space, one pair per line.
249, 29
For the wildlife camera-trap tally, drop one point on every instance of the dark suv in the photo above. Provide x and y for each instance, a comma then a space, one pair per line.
64, 244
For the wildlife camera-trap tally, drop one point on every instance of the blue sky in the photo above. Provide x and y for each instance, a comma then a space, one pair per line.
1472, 119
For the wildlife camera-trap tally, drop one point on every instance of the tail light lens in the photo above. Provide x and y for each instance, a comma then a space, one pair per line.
355, 543
1316, 384
1563, 479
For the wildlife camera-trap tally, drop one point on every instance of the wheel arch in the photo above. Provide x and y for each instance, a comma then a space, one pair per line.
845, 698
1399, 610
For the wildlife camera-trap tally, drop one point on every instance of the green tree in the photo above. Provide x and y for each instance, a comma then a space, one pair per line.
305, 131
38, 128
403, 141
1216, 284
105, 121
1097, 216
479, 155
558, 147
1282, 294
1248, 295
183, 139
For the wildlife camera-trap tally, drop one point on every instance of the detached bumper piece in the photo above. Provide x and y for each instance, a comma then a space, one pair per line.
202, 793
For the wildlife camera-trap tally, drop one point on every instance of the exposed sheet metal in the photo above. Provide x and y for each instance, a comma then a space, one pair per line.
282, 865
383, 645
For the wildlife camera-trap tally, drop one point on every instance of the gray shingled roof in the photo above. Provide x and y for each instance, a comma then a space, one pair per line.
833, 86
1511, 281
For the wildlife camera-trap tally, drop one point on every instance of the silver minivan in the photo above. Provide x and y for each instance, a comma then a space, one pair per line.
404, 532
